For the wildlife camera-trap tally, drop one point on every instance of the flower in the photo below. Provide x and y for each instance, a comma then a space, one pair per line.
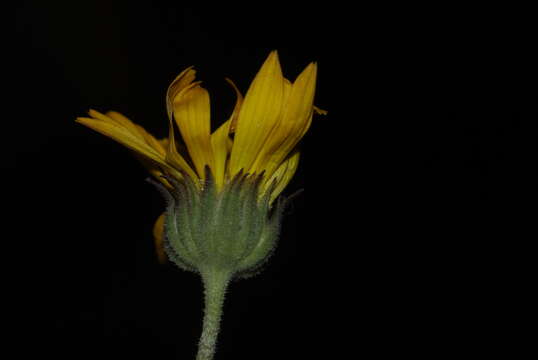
258, 140
220, 220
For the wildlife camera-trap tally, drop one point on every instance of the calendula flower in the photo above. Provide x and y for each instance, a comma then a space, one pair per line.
221, 219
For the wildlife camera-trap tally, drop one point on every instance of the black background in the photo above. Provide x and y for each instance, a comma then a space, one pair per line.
420, 184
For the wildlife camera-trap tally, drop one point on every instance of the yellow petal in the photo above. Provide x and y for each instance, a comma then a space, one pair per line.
174, 159
148, 138
108, 127
283, 175
192, 115
158, 232
237, 107
221, 142
163, 142
184, 79
119, 119
220, 145
264, 154
152, 141
259, 114
296, 120
134, 137
181, 83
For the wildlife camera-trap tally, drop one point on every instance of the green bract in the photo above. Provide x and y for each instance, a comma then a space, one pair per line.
231, 231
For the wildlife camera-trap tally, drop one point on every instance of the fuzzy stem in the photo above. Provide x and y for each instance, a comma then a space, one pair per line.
215, 284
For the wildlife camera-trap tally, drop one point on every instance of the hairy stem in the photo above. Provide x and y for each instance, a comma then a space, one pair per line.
215, 284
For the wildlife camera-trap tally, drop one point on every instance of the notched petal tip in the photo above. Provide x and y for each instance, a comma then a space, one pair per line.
309, 74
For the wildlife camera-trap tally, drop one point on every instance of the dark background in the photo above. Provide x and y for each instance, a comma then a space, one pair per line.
420, 184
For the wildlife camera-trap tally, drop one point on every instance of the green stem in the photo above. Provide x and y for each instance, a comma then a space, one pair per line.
215, 284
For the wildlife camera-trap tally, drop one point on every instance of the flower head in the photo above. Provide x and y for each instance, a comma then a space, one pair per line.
259, 140
259, 137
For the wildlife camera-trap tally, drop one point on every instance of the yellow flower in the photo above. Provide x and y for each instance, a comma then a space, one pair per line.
260, 137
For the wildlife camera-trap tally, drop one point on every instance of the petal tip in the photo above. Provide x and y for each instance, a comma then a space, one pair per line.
272, 60
94, 113
320, 111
